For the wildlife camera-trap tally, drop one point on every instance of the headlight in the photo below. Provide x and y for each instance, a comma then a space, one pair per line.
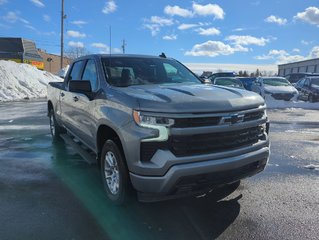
143, 120
154, 122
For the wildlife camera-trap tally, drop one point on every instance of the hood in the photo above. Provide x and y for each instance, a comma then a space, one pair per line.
280, 89
192, 98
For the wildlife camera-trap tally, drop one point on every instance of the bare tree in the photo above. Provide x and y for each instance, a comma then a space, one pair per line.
75, 52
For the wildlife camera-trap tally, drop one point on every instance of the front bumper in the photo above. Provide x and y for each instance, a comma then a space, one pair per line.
192, 177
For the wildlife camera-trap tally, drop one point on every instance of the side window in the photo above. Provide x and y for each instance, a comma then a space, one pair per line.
76, 71
90, 74
307, 83
173, 73
301, 83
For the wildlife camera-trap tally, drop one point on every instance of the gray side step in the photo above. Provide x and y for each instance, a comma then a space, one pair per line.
77, 147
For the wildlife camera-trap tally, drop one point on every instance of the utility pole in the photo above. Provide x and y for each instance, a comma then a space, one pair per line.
123, 46
62, 30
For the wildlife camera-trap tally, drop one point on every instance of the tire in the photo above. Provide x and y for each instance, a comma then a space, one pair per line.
311, 99
115, 174
55, 129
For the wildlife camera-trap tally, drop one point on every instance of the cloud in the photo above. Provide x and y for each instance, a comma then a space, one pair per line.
155, 23
13, 17
304, 42
213, 49
277, 20
314, 53
75, 34
31, 27
247, 40
109, 7
228, 67
46, 18
185, 26
208, 31
296, 50
161, 21
238, 29
75, 44
310, 15
177, 11
170, 37
103, 48
209, 10
38, 3
79, 23
280, 57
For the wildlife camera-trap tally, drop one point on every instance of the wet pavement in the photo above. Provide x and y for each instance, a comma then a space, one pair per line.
48, 192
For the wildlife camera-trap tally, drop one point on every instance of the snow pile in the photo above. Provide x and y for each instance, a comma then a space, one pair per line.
21, 81
294, 103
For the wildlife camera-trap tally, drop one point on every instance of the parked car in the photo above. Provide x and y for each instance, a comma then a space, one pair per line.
228, 82
308, 88
295, 77
221, 74
277, 87
154, 127
247, 81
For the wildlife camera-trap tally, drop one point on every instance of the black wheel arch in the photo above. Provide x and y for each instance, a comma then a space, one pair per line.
103, 134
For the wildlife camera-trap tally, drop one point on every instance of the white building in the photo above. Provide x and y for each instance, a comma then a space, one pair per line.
307, 66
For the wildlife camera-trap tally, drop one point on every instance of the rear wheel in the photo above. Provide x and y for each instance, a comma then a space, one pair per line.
55, 128
114, 173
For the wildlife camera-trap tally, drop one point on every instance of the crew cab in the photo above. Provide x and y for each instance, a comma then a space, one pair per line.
154, 127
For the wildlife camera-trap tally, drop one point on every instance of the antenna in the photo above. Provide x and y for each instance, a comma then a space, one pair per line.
123, 46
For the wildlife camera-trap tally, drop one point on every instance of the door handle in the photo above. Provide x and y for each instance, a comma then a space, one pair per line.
75, 99
62, 94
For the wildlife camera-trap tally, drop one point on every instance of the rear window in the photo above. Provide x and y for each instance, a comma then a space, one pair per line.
230, 82
276, 82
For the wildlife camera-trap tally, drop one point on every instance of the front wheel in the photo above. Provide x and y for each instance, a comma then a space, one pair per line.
55, 128
114, 173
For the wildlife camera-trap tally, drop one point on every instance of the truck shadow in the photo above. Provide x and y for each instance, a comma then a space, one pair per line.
190, 218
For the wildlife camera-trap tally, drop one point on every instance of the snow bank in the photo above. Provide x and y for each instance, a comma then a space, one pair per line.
294, 103
20, 81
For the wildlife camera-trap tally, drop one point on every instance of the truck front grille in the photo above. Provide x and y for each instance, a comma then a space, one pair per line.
189, 145
214, 142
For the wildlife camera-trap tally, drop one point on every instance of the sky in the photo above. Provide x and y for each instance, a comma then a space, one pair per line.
230, 34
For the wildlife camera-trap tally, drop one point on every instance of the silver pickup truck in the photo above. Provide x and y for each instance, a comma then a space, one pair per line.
154, 127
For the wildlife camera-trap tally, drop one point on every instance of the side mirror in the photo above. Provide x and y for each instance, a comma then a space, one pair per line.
80, 86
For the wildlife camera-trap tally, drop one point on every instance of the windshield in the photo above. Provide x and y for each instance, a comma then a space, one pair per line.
230, 82
276, 82
315, 82
127, 71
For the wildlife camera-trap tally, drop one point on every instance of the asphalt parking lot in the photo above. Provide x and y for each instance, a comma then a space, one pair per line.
48, 192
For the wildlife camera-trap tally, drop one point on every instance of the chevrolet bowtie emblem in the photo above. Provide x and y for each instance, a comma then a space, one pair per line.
232, 119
